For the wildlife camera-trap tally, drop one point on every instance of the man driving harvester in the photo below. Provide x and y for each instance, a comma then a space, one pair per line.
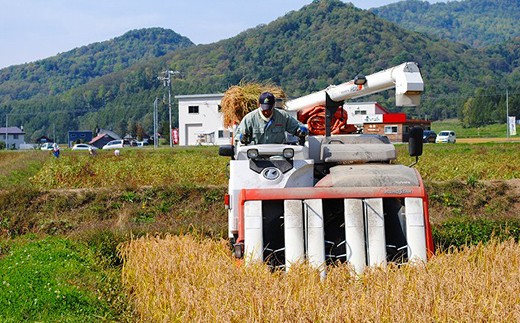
267, 125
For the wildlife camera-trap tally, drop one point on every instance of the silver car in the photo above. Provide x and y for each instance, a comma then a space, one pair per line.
83, 147
116, 144
446, 136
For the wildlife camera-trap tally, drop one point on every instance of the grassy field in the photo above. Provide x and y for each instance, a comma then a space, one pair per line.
63, 220
493, 131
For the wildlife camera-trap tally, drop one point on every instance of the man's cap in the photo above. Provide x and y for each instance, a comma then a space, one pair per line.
266, 101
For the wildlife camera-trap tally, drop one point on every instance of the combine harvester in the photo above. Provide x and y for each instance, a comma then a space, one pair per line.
336, 197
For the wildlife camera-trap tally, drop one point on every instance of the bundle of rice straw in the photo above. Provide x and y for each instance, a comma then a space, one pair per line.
240, 99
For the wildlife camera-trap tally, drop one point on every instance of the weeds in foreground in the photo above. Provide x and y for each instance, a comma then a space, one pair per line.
56, 280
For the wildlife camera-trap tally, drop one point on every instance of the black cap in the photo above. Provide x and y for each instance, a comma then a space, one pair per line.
266, 101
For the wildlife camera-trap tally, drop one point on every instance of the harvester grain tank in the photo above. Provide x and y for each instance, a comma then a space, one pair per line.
336, 197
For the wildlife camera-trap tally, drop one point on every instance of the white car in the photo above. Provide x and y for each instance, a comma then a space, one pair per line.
47, 146
116, 144
446, 136
83, 147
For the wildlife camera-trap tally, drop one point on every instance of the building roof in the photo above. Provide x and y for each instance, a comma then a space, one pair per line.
100, 136
12, 130
110, 133
78, 131
200, 96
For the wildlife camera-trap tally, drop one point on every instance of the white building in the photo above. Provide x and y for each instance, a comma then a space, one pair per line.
201, 121
12, 136
364, 112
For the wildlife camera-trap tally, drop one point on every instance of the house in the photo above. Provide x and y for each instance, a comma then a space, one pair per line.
103, 137
395, 126
79, 136
375, 119
13, 137
362, 112
43, 139
201, 121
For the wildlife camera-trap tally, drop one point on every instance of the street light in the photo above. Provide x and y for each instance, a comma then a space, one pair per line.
166, 78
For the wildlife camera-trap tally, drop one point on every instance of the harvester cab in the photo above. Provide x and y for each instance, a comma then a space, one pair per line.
337, 197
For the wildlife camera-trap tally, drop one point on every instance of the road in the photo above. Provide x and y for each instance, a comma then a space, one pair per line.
477, 140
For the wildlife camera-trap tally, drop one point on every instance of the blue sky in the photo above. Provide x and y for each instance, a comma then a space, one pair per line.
35, 29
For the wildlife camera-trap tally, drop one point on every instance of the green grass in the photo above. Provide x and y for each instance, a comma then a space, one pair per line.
489, 131
133, 168
16, 167
463, 231
52, 280
466, 162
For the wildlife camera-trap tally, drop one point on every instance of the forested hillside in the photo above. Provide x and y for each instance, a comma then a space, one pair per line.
478, 23
71, 69
326, 42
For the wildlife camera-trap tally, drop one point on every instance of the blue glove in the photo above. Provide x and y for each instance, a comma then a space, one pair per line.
302, 131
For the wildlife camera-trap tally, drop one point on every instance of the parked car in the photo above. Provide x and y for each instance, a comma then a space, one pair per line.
46, 146
116, 144
429, 136
446, 136
83, 147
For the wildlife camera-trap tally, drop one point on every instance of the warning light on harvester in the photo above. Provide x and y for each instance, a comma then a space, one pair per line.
360, 79
226, 201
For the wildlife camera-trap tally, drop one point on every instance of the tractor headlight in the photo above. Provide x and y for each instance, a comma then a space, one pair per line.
288, 153
252, 153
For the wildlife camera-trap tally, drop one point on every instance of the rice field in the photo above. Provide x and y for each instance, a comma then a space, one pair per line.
188, 278
193, 278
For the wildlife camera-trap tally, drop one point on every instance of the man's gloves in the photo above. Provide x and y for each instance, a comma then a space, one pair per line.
244, 138
302, 131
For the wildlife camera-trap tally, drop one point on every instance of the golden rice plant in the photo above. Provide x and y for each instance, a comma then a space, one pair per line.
240, 99
186, 278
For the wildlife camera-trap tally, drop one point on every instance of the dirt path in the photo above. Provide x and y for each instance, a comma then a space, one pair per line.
478, 140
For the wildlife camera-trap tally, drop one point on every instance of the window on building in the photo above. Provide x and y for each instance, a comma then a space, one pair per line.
360, 112
193, 109
15, 136
390, 130
225, 134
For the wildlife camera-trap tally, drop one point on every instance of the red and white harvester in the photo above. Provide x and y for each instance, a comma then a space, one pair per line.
334, 197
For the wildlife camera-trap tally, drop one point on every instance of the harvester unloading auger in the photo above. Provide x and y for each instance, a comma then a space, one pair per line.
336, 197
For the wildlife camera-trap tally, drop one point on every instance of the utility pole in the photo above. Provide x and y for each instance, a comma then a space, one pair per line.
507, 114
6, 132
155, 142
166, 78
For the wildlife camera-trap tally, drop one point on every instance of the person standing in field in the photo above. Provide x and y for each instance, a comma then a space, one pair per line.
56, 150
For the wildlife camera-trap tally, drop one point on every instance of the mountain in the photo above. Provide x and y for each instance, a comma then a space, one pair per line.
326, 42
478, 23
79, 66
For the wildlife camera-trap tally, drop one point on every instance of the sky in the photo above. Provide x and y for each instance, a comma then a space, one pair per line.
31, 30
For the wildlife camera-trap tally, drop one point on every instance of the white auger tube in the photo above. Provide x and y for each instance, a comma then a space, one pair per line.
405, 78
